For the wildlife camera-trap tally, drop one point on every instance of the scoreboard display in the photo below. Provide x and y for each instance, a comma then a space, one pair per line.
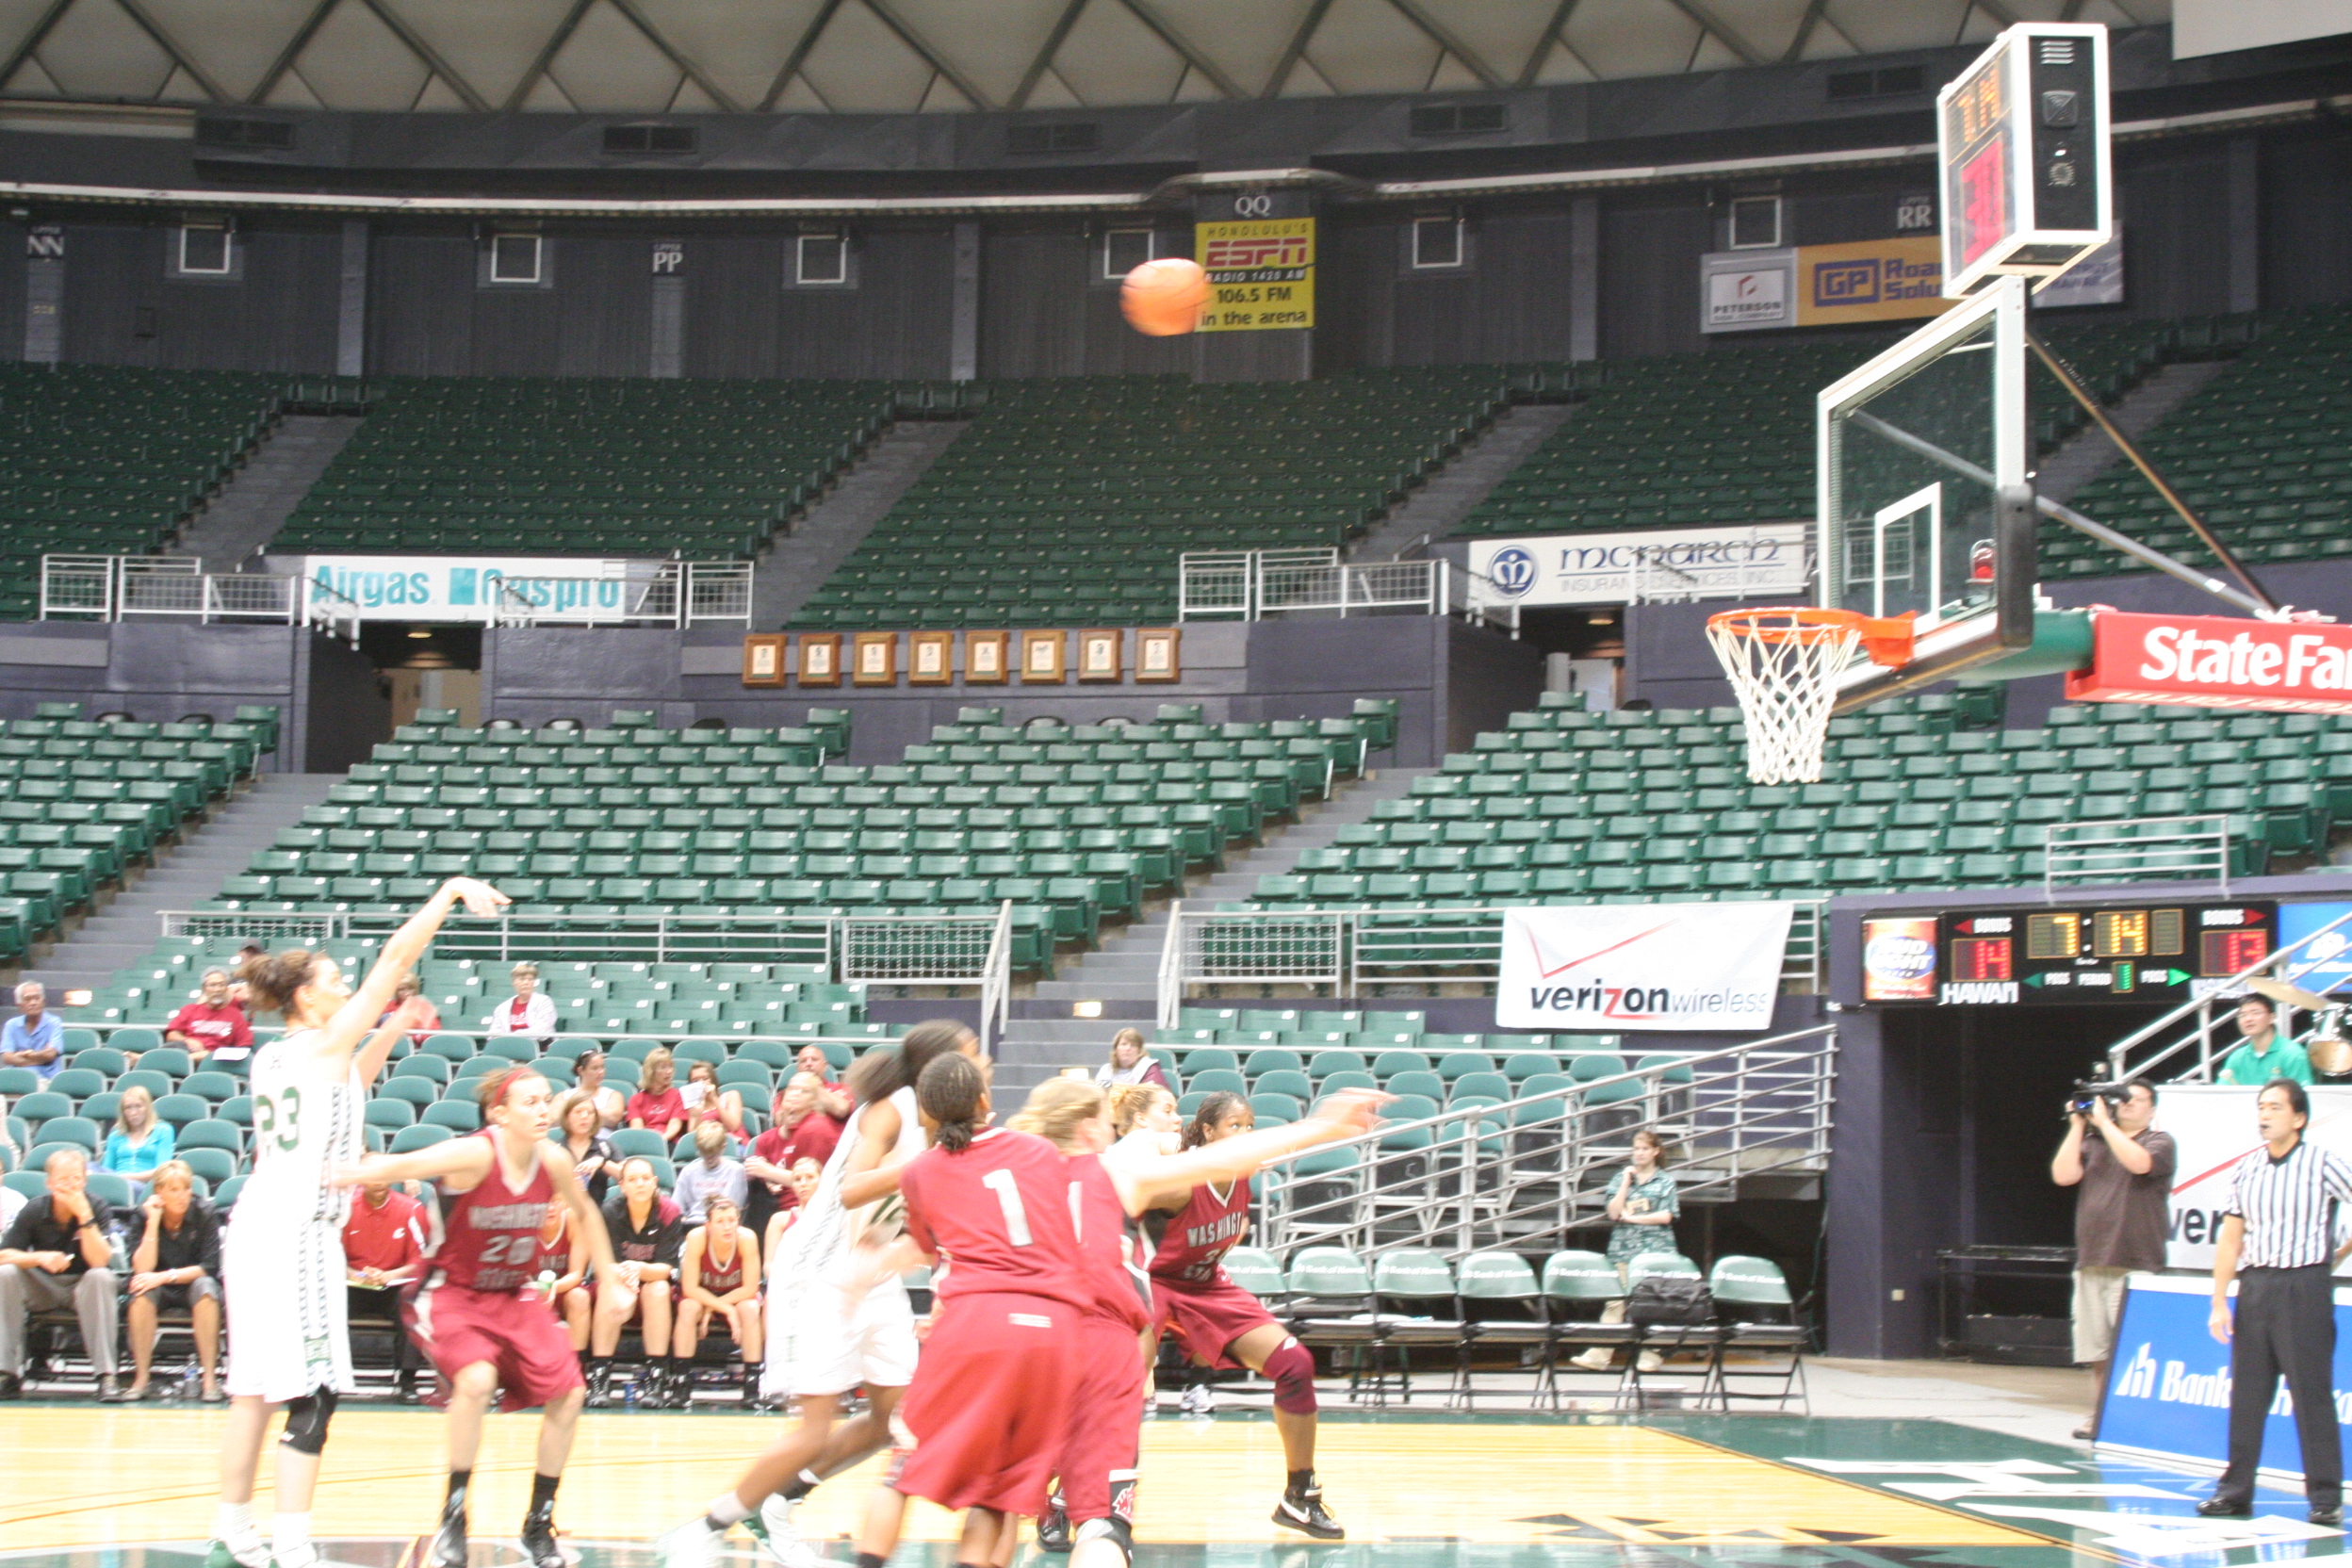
2161, 953
2022, 138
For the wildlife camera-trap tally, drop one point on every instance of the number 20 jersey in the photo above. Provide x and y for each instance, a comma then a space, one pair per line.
489, 1235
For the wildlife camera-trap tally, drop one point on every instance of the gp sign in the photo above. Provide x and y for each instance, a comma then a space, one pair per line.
1620, 568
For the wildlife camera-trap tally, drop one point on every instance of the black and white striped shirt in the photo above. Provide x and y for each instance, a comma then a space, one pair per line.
2289, 1204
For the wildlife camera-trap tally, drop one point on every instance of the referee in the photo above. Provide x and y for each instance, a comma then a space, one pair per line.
2276, 1241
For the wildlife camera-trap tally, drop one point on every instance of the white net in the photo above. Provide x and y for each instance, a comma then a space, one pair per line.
1784, 665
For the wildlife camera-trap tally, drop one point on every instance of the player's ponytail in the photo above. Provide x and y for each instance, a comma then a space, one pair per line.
1056, 1109
271, 980
954, 1097
1132, 1102
1208, 1114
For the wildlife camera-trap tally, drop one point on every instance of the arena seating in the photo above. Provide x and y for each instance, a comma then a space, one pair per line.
706, 469
99, 460
1069, 500
1572, 807
2259, 453
79, 799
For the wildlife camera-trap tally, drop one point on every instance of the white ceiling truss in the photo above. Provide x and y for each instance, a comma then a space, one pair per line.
899, 57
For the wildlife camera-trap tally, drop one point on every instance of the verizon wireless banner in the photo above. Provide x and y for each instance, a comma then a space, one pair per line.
1615, 966
2214, 661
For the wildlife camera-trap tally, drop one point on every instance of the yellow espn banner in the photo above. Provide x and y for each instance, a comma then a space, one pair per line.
1261, 274
1870, 279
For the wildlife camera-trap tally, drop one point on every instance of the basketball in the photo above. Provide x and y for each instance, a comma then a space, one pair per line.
1164, 298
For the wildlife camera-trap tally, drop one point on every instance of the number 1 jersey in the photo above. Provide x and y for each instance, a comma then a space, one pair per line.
1001, 1213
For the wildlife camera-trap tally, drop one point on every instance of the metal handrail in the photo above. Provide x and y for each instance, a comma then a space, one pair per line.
1748, 1109
2118, 849
2120, 1065
996, 981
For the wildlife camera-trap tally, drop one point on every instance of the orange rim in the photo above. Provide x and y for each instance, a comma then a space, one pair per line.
1887, 641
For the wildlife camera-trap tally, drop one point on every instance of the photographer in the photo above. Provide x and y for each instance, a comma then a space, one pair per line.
2120, 1167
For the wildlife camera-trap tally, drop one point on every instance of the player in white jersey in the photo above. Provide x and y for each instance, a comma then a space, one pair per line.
283, 1263
842, 1335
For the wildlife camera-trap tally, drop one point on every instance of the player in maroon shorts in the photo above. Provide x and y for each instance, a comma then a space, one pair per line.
1219, 1324
1099, 1453
477, 1315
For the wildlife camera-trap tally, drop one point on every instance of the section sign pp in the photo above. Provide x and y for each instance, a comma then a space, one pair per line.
1619, 966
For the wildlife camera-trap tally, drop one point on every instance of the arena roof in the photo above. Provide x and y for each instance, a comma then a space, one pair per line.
894, 57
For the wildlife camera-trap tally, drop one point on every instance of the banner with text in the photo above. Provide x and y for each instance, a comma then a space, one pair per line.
1626, 965
1620, 568
1818, 286
466, 587
2217, 662
1261, 274
2213, 1127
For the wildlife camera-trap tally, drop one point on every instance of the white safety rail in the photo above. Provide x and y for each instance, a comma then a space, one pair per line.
2127, 849
2211, 1031
1256, 585
1522, 1173
126, 587
668, 592
935, 951
1328, 951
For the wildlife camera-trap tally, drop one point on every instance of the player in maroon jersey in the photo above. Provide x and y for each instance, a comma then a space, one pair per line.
1098, 1460
477, 1314
1219, 1324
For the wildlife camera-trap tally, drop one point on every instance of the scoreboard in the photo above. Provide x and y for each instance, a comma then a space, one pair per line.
2004, 958
2022, 140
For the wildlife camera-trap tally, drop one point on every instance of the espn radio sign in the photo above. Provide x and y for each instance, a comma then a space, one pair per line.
1233, 253
2210, 661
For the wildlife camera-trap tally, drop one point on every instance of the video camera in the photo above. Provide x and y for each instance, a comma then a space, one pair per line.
2088, 1090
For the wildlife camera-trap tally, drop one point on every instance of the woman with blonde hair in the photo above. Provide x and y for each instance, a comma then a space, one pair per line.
177, 1263
1145, 1120
141, 1142
656, 1104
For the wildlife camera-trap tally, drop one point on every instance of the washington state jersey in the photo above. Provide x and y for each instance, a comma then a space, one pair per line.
1114, 1252
1191, 1245
490, 1235
1002, 1213
721, 1275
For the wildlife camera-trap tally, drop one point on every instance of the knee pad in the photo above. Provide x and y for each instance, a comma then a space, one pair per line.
1115, 1530
1292, 1368
306, 1421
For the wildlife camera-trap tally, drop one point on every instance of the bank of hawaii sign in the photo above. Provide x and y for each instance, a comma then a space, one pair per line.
1620, 568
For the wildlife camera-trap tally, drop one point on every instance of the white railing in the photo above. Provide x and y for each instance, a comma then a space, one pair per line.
1336, 951
122, 587
1525, 1172
1256, 585
668, 592
935, 950
2126, 849
2212, 1006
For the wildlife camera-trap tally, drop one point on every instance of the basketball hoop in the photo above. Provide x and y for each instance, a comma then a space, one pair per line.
1784, 663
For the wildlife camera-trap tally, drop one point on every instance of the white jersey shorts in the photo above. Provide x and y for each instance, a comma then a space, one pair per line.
843, 1342
288, 1314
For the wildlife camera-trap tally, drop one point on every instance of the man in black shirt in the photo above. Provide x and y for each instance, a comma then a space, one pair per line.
175, 1267
57, 1254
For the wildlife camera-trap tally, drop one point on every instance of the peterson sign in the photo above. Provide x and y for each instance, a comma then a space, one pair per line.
2211, 662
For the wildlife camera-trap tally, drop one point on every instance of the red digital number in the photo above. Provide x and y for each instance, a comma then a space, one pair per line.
1984, 198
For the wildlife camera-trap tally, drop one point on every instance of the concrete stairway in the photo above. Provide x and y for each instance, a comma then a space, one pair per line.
1124, 974
2088, 454
797, 564
1463, 483
240, 521
125, 929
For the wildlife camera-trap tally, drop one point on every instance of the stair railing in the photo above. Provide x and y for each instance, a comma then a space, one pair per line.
2202, 1008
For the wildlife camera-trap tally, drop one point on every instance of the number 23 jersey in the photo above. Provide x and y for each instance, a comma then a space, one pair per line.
1001, 1211
305, 1123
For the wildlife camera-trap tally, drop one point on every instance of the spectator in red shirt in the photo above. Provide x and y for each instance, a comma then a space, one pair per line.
213, 1028
801, 1132
658, 1104
423, 1013
832, 1099
383, 1248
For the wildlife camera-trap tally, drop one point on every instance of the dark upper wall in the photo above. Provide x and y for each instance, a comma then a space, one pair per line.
123, 307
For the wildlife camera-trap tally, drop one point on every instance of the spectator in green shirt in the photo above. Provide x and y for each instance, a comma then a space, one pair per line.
2266, 1053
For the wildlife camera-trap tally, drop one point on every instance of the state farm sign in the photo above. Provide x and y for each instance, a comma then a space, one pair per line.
2209, 661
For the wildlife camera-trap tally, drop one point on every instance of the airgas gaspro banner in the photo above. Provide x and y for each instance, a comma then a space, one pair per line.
467, 588
1616, 966
1261, 274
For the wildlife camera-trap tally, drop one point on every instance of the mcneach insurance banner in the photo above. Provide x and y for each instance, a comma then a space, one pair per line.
1615, 966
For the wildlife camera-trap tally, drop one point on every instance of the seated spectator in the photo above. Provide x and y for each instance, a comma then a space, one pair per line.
57, 1254
801, 1183
247, 956
719, 1284
527, 1012
2263, 1053
705, 1101
1130, 1063
563, 1276
175, 1266
383, 1248
213, 1029
832, 1098
32, 1037
423, 1014
799, 1131
581, 1133
647, 1236
712, 1175
588, 1078
656, 1104
140, 1141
